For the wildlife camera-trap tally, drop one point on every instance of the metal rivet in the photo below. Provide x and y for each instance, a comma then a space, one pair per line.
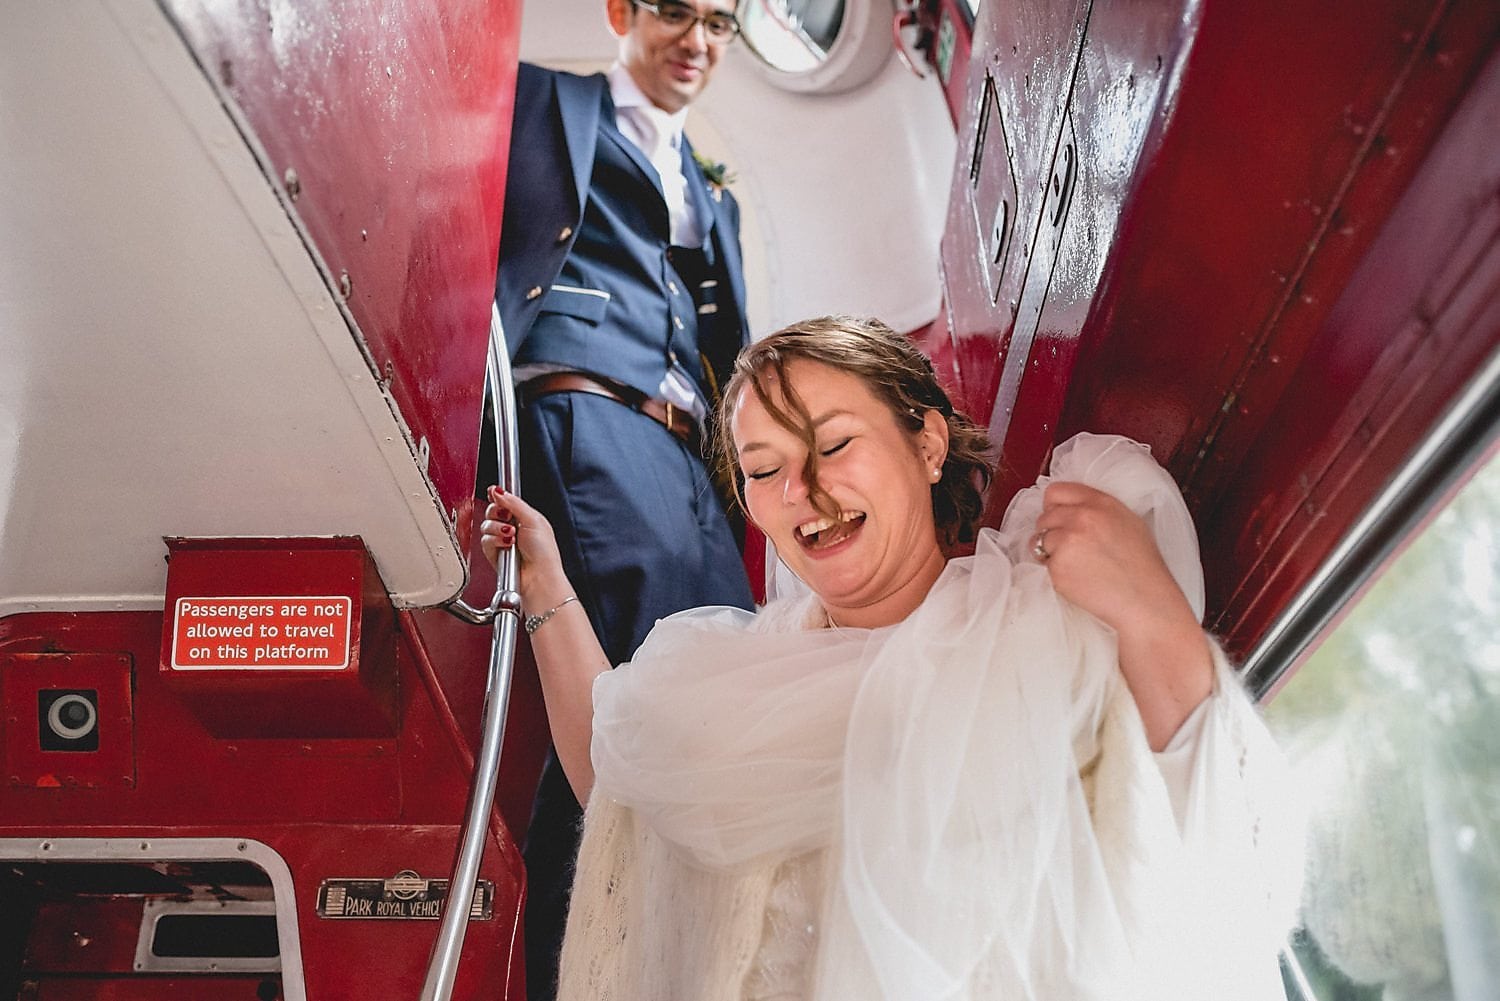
293, 183
346, 284
564, 233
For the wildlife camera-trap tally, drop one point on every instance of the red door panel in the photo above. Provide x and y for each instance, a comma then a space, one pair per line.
1267, 254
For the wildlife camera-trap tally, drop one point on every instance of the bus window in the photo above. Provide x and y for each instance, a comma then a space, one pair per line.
794, 36
818, 46
1393, 728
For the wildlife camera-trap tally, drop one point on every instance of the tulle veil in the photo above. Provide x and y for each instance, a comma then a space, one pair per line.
994, 821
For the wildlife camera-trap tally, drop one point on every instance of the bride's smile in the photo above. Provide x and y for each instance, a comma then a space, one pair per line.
860, 530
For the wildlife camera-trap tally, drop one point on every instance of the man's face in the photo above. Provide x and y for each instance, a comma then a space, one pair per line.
669, 64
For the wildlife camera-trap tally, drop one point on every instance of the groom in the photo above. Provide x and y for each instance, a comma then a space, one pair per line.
622, 299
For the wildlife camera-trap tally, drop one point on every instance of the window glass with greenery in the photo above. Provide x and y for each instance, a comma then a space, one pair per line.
1393, 728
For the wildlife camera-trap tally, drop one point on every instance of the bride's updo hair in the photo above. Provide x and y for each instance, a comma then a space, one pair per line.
897, 373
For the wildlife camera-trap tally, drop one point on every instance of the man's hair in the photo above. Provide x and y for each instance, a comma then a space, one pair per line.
897, 373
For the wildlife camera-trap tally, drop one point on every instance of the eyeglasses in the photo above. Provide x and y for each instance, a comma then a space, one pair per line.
719, 27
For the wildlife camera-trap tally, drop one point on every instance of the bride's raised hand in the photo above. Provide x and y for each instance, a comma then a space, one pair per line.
511, 523
1101, 557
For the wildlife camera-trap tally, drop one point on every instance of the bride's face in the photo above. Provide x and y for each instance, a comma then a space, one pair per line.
876, 560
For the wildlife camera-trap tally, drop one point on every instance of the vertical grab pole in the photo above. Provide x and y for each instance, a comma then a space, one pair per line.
505, 611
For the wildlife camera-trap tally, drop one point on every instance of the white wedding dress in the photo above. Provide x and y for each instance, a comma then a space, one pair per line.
961, 806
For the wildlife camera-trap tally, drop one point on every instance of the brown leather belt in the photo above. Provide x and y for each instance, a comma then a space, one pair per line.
674, 419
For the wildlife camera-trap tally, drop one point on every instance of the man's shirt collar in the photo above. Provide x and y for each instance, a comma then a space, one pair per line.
626, 93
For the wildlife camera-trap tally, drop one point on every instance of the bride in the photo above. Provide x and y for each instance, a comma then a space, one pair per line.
1021, 774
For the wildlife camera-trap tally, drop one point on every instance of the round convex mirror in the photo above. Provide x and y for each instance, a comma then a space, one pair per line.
818, 45
793, 36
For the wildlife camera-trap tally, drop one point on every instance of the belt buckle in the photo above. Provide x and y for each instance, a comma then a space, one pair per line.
671, 417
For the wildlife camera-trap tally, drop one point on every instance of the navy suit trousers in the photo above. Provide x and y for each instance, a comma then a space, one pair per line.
642, 535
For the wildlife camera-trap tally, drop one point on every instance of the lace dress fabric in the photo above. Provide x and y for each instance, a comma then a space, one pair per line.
784, 963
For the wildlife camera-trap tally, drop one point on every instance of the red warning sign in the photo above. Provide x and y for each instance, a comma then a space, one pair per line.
215, 634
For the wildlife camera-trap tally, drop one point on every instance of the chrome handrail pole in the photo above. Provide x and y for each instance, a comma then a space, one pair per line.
505, 614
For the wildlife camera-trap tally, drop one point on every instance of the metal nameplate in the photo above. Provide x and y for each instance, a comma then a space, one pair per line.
405, 895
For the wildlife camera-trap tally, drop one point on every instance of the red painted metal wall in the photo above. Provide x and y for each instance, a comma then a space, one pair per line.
1419, 315
1269, 255
330, 807
386, 126
408, 203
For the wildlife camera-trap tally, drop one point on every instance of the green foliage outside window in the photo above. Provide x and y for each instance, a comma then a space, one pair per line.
1393, 727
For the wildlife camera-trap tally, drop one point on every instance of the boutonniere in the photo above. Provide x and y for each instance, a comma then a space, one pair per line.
715, 172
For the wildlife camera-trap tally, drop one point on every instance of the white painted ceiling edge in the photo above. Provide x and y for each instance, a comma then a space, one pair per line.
844, 195
174, 362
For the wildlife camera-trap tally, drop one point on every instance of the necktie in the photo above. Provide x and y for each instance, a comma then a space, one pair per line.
660, 144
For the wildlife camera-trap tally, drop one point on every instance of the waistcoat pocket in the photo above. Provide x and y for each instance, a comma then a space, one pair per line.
571, 300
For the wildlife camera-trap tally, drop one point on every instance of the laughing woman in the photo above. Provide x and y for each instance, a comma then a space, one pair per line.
1021, 774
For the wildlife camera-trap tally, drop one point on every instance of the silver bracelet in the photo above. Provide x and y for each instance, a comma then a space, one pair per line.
534, 622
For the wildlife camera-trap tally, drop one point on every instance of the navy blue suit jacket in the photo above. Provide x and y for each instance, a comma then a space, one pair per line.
553, 139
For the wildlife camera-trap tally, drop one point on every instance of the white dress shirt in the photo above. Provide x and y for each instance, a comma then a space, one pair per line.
658, 134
